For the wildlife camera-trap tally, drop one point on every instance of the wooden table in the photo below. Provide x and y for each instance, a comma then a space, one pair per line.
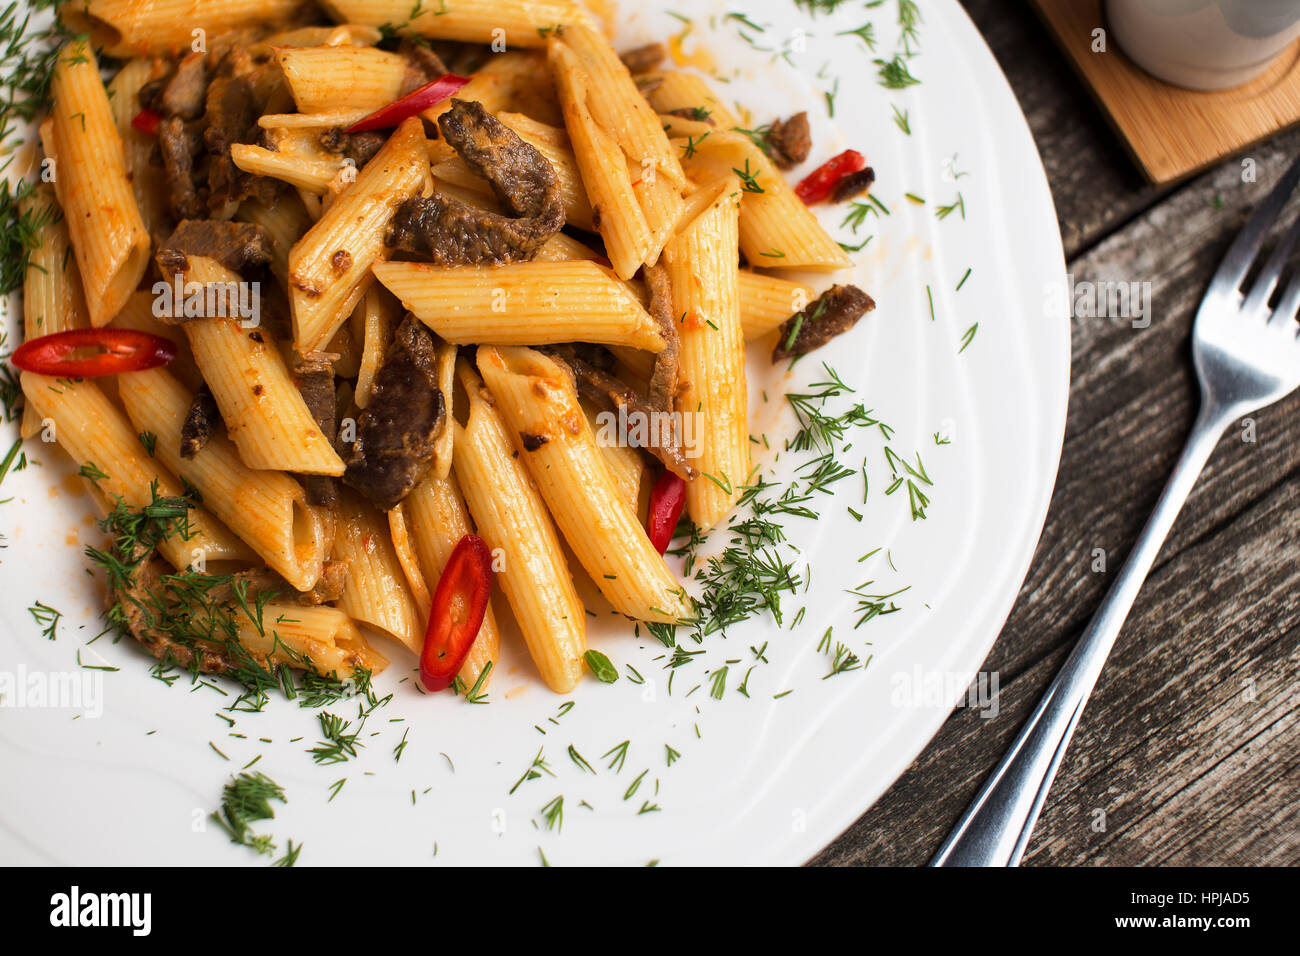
1189, 751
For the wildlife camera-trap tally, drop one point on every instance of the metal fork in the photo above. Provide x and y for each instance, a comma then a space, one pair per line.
1246, 357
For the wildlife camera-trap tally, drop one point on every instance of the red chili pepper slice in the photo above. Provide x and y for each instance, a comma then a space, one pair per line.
147, 121
666, 500
119, 350
459, 603
821, 182
413, 103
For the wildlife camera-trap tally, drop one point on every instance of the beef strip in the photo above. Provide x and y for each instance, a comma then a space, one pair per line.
231, 114
612, 394
663, 386
358, 147
422, 64
790, 140
643, 59
836, 310
450, 232
203, 418
180, 144
184, 92
396, 431
854, 184
313, 373
239, 246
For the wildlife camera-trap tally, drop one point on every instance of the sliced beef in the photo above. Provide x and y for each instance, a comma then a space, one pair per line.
239, 246
610, 393
201, 421
396, 431
180, 144
423, 65
854, 184
313, 373
449, 232
185, 92
231, 115
358, 147
790, 140
836, 310
643, 59
663, 387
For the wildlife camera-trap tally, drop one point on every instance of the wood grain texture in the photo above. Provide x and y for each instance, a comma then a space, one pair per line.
1190, 746
1171, 132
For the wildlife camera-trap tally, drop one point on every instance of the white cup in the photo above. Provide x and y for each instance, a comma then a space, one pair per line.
1204, 44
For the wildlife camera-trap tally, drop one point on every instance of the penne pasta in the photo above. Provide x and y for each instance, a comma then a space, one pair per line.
376, 593
131, 28
146, 182
436, 519
511, 517
525, 23
342, 77
626, 465
93, 186
112, 457
329, 268
767, 301
526, 303
321, 638
267, 509
702, 263
375, 316
538, 401
264, 412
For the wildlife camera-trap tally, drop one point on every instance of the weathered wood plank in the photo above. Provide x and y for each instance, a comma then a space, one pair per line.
1186, 770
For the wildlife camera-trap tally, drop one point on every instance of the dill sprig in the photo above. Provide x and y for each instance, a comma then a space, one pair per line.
246, 799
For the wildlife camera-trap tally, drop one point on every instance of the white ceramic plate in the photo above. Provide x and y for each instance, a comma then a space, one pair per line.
759, 780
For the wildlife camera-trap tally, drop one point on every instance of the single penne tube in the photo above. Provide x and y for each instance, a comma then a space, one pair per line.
79, 416
523, 23
91, 180
329, 267
777, 230
374, 320
676, 90
52, 292
322, 639
511, 517
767, 301
538, 400
315, 121
376, 592
342, 77
126, 28
626, 465
619, 107
400, 534
436, 520
264, 412
267, 509
616, 212
444, 443
702, 262
147, 183
525, 303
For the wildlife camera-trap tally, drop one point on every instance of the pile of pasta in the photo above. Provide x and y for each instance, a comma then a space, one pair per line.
640, 185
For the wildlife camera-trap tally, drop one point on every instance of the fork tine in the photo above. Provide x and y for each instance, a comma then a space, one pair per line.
1246, 246
1257, 299
1289, 305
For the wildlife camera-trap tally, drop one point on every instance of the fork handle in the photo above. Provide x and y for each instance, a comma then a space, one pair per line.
996, 826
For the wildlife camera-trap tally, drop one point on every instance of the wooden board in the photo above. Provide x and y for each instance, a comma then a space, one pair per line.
1171, 132
1188, 768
